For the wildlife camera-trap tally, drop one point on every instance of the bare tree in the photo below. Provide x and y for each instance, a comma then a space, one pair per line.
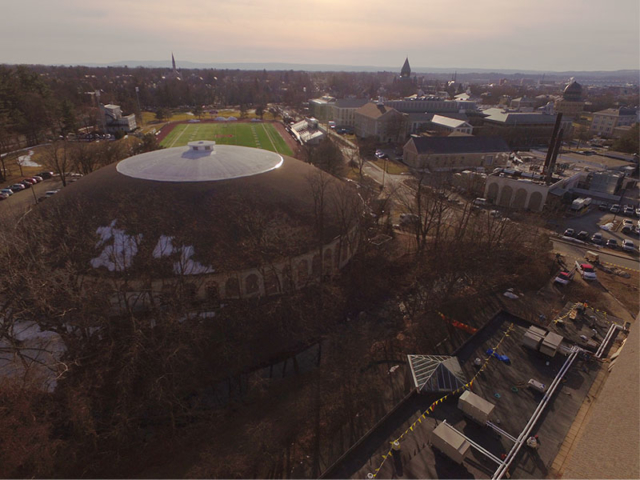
56, 157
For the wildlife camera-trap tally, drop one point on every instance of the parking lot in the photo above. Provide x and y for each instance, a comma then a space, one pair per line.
592, 221
20, 201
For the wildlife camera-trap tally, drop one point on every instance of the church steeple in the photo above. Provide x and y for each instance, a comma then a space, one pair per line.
406, 69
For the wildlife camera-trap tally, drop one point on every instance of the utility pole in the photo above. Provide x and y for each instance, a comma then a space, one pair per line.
139, 109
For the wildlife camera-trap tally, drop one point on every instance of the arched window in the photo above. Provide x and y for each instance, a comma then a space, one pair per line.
328, 259
287, 279
271, 283
316, 265
303, 272
213, 291
232, 287
251, 284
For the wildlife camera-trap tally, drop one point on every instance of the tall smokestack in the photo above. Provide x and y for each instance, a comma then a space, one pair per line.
554, 156
547, 160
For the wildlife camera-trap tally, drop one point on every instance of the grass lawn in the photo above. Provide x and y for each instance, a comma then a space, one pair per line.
256, 135
396, 168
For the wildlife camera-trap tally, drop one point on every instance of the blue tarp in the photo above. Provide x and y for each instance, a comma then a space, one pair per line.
502, 358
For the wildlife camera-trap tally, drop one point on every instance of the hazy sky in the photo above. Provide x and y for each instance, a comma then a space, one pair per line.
522, 34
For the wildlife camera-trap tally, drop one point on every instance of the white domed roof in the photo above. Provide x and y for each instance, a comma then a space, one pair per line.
201, 161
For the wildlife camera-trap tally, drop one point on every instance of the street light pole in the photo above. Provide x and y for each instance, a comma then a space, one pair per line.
384, 171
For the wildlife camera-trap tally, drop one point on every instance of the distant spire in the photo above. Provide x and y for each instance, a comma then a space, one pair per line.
173, 62
406, 69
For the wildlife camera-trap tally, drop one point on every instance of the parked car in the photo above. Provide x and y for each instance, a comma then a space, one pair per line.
628, 246
627, 229
597, 238
45, 175
409, 219
17, 187
480, 202
50, 193
637, 211
26, 184
586, 271
628, 210
603, 206
569, 232
3, 196
627, 222
8, 191
612, 243
30, 181
563, 278
583, 235
615, 208
38, 178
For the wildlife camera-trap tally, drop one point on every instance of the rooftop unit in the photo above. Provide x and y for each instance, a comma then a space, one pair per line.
450, 442
550, 344
475, 407
547, 343
533, 337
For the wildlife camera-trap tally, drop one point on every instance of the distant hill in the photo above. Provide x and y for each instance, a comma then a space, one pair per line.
626, 75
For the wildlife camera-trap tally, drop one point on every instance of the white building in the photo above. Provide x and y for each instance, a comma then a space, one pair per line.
606, 121
451, 124
115, 122
308, 131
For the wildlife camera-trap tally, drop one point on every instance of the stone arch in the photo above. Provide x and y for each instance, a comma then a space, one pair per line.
535, 202
212, 291
328, 262
167, 292
505, 196
271, 282
316, 266
251, 284
492, 192
520, 200
232, 287
303, 272
189, 290
287, 279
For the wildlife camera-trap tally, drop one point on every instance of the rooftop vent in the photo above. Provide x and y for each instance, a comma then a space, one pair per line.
204, 145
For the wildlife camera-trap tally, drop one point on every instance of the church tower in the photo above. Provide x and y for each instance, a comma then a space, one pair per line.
406, 69
174, 74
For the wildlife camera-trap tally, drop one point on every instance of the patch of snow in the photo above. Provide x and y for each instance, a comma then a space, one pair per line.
186, 266
510, 295
117, 256
164, 247
607, 226
41, 353
25, 160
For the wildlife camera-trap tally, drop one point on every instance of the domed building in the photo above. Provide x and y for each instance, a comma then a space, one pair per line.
236, 222
571, 104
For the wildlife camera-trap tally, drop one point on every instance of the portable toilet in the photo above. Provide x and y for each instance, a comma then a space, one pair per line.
533, 337
550, 344
475, 407
450, 442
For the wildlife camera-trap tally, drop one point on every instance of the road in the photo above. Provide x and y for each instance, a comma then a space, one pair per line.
575, 251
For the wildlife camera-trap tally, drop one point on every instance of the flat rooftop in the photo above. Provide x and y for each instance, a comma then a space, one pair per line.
503, 384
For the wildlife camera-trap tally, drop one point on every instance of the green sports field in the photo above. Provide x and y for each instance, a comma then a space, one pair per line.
257, 135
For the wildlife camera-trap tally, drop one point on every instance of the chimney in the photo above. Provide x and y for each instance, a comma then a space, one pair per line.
552, 142
554, 156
